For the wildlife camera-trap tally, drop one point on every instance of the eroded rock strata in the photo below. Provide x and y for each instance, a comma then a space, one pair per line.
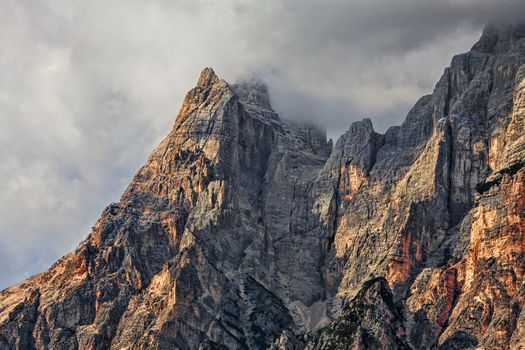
247, 231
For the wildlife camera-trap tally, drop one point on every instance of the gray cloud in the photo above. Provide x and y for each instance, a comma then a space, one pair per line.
88, 88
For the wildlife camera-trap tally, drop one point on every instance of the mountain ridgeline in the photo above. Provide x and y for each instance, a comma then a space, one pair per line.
247, 231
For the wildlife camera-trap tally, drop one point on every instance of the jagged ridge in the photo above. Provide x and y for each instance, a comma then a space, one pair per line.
244, 230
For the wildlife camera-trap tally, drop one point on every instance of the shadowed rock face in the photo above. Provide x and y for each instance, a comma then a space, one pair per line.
246, 231
370, 321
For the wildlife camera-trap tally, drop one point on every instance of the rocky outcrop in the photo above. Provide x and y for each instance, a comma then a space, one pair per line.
491, 296
213, 242
244, 230
370, 321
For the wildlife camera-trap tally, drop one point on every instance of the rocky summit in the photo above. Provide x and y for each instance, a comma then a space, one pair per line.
247, 231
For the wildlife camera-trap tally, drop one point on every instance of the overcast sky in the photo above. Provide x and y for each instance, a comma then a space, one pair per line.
88, 88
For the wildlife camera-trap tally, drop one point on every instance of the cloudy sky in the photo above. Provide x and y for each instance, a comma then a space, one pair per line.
88, 88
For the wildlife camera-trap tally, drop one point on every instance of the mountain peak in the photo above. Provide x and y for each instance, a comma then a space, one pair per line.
243, 230
499, 37
253, 90
207, 78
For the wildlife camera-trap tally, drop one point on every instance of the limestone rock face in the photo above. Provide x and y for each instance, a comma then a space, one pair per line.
370, 321
247, 231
